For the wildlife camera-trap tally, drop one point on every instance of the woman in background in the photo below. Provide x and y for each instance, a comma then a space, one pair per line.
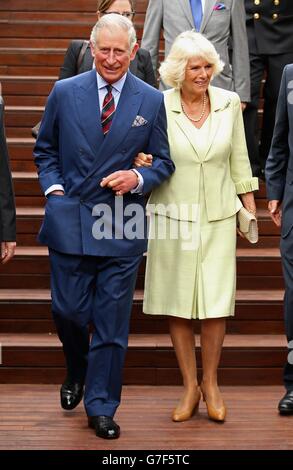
78, 57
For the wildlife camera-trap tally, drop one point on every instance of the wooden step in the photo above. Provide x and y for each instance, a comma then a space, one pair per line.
31, 419
29, 70
30, 269
26, 91
22, 116
21, 153
269, 233
257, 269
246, 359
82, 6
29, 310
26, 85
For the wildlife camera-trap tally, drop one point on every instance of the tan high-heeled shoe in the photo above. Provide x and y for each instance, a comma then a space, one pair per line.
215, 414
186, 414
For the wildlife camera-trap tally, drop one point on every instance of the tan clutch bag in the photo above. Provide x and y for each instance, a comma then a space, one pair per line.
247, 225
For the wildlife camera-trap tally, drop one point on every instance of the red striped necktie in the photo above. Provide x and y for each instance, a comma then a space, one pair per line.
108, 110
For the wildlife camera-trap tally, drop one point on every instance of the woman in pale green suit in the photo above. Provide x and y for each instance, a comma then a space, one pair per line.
188, 278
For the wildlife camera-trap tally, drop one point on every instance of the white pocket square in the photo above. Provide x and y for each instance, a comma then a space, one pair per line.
139, 121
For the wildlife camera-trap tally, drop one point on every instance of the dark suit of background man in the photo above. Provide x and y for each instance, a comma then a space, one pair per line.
279, 179
223, 23
84, 154
270, 40
7, 205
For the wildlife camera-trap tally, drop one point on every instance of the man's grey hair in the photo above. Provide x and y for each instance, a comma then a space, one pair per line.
114, 22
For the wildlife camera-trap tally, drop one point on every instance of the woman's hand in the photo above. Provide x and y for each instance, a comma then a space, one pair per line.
143, 159
249, 202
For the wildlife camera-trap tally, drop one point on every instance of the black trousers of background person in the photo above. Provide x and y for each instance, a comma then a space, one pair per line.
286, 247
273, 65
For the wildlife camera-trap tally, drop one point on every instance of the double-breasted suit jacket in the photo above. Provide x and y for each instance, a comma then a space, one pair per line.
71, 150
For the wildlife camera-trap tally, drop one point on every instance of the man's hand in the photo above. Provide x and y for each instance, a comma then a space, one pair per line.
7, 251
57, 192
243, 105
275, 211
121, 181
143, 159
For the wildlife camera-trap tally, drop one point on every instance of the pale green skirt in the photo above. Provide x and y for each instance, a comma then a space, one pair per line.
191, 280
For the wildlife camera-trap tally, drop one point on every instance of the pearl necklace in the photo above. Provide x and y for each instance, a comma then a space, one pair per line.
204, 102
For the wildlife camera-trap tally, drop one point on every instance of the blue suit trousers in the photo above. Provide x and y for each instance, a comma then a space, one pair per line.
97, 290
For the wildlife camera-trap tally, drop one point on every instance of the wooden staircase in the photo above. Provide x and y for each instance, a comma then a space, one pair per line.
33, 38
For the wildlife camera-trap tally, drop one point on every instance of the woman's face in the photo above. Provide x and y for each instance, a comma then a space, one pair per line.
198, 74
122, 7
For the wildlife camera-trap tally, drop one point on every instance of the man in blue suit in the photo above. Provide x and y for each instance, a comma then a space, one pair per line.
279, 180
93, 127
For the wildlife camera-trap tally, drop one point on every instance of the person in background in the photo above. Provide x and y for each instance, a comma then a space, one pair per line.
141, 66
279, 179
269, 26
7, 203
191, 272
223, 23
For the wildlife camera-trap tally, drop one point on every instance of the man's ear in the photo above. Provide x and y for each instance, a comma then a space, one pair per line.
134, 51
92, 49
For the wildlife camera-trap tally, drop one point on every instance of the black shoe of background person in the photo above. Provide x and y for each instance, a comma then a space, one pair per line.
286, 404
104, 426
70, 395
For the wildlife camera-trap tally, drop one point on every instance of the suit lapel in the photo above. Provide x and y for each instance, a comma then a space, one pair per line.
182, 121
127, 110
185, 6
208, 9
88, 108
218, 103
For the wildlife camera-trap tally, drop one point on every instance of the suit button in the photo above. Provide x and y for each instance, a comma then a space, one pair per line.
256, 16
81, 201
275, 16
256, 2
276, 2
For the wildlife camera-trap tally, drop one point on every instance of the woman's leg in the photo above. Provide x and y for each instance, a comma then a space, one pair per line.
212, 337
182, 336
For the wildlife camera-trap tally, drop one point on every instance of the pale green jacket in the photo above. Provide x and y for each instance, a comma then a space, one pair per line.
225, 165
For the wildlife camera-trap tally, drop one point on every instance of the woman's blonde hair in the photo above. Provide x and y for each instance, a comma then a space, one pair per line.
188, 45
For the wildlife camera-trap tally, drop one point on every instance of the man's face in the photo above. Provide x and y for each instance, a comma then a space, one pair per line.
112, 55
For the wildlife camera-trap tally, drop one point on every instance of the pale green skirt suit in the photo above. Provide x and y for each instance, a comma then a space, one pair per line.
191, 259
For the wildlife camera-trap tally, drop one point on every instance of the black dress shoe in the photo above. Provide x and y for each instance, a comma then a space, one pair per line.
286, 404
104, 426
71, 395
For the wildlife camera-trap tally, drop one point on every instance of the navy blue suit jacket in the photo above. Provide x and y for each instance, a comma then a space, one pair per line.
71, 150
279, 167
